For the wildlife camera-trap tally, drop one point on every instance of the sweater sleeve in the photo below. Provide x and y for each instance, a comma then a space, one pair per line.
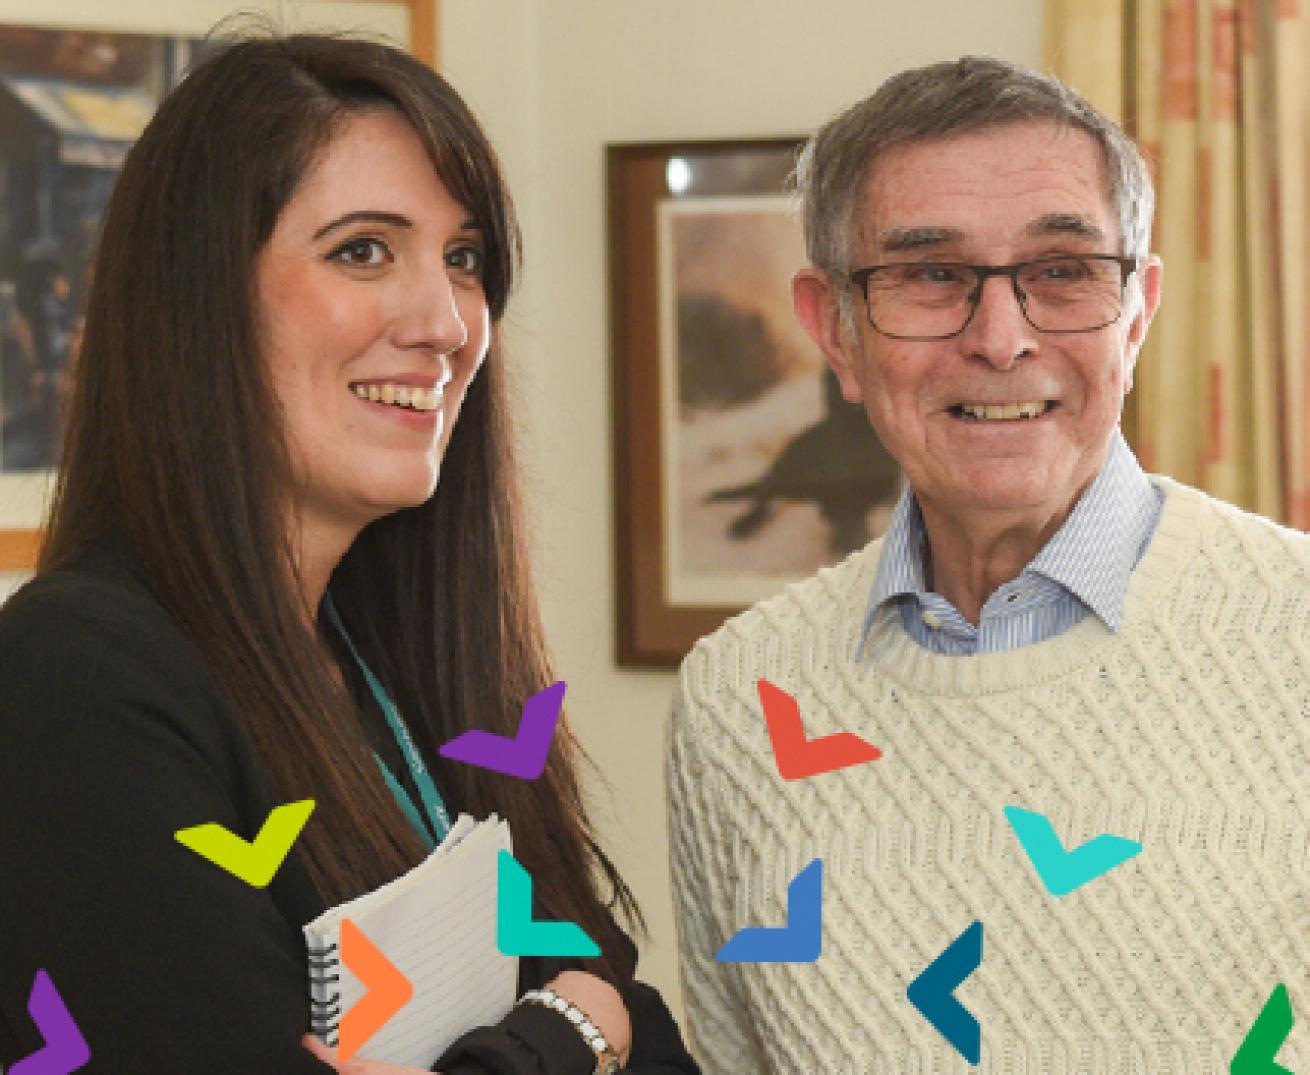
701, 883
111, 739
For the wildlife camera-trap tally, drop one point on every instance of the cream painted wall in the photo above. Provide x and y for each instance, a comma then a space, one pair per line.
554, 82
9, 582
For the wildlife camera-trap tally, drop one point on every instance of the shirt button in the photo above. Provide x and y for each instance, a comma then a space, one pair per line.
931, 621
1013, 598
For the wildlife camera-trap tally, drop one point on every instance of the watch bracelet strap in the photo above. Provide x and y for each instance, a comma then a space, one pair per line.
607, 1060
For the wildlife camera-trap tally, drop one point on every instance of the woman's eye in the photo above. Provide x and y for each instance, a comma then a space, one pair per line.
359, 251
467, 259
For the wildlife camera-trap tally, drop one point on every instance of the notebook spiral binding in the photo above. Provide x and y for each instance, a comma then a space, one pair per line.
324, 991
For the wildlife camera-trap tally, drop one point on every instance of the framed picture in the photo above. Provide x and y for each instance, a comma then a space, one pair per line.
75, 93
738, 465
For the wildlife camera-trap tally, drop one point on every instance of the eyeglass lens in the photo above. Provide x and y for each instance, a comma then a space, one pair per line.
936, 299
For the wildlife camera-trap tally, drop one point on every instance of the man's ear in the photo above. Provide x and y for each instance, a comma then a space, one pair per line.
1151, 282
1151, 277
818, 308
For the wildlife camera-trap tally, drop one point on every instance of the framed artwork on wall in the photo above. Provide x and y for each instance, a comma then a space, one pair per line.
75, 92
738, 465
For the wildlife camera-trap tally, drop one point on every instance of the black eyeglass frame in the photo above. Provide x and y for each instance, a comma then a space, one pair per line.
1127, 266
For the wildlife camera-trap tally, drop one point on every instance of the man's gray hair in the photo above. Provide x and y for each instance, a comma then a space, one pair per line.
937, 101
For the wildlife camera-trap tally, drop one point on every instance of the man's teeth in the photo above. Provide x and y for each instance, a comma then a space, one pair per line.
401, 395
1008, 410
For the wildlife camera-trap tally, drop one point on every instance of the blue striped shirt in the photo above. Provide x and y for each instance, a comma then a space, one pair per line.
1084, 567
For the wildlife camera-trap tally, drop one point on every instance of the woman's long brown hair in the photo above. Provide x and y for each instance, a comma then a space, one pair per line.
175, 447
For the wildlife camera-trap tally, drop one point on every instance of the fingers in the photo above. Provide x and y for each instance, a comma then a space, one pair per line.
322, 1052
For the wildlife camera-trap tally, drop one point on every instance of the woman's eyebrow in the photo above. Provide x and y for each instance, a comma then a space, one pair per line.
382, 217
376, 215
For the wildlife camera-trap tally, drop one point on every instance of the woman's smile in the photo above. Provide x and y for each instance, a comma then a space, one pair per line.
418, 408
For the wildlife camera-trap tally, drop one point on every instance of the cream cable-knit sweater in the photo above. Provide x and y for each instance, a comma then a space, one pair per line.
1189, 732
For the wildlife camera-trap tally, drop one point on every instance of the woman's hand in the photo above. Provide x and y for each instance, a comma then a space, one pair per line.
595, 996
602, 1003
355, 1067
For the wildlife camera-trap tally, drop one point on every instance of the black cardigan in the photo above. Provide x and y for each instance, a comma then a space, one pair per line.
113, 735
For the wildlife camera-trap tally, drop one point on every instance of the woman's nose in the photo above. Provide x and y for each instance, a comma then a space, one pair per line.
433, 319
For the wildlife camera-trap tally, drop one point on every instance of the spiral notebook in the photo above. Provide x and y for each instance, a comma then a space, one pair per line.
437, 925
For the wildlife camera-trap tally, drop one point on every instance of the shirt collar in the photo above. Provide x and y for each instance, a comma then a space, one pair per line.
1092, 555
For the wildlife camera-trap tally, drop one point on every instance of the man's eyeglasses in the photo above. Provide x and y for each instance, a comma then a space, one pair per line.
935, 300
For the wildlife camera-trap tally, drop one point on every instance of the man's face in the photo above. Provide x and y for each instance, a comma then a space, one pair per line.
994, 197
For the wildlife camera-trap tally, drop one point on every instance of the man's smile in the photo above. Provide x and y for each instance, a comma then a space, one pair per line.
1028, 410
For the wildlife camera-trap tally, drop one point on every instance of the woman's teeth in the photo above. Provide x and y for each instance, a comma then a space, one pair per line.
1007, 410
401, 395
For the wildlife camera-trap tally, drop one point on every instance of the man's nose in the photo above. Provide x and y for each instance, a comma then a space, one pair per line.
998, 332
432, 319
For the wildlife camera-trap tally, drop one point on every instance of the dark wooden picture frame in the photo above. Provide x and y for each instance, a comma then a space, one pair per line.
738, 465
651, 632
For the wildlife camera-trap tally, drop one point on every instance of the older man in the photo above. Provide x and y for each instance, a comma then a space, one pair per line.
1043, 628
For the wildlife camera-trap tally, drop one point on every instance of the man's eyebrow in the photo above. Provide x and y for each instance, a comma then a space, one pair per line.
894, 240
1065, 224
376, 215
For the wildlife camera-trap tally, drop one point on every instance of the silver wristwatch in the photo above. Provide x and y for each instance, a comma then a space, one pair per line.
607, 1060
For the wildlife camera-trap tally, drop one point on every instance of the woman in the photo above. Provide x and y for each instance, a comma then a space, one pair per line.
294, 300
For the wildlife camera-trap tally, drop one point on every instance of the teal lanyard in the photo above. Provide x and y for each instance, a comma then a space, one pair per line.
438, 818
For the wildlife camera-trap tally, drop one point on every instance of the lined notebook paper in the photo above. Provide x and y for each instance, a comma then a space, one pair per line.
437, 924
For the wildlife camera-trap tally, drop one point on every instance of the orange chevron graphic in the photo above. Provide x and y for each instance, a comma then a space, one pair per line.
388, 991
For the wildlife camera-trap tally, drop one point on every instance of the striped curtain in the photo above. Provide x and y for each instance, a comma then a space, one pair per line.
1217, 94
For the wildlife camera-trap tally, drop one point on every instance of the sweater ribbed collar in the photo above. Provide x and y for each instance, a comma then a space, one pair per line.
892, 652
1089, 558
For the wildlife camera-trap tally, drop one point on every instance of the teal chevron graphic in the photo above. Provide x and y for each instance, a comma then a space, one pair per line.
1063, 871
516, 932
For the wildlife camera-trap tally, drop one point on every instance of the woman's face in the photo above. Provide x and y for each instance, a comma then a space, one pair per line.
373, 321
